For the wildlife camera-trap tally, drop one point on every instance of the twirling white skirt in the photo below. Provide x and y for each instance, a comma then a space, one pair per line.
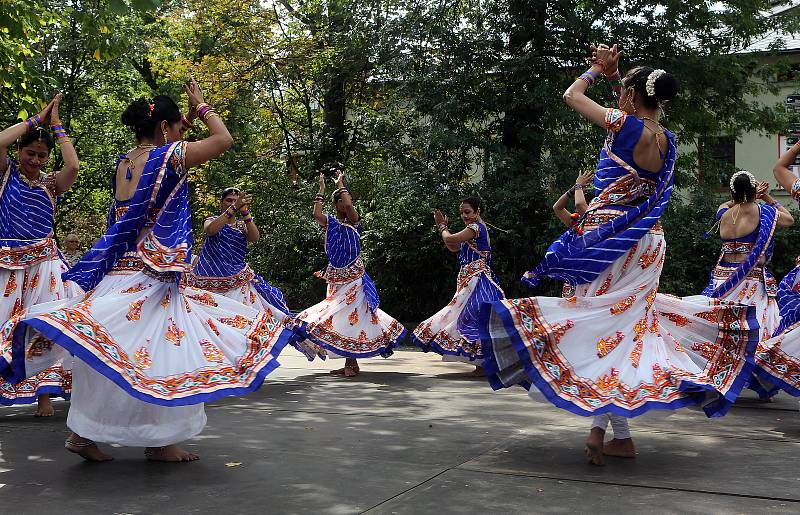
619, 347
165, 349
47, 372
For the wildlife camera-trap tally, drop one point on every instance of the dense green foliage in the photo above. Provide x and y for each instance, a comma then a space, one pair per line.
423, 102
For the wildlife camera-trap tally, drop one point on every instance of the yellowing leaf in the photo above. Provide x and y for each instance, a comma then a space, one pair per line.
22, 115
104, 29
97, 55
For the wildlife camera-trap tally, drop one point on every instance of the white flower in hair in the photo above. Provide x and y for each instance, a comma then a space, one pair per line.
651, 82
749, 175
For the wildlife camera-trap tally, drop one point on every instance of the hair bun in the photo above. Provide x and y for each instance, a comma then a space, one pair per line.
136, 114
666, 87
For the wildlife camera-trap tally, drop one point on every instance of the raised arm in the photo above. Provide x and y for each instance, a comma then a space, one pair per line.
783, 174
785, 218
575, 95
219, 139
251, 231
560, 207
69, 172
441, 226
580, 198
319, 199
346, 199
16, 131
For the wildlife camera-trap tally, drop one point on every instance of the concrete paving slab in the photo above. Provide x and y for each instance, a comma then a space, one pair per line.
466, 492
410, 434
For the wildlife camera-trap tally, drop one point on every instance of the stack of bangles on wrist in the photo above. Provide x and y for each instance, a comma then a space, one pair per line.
319, 197
589, 76
59, 131
230, 212
33, 122
577, 187
442, 227
204, 112
246, 217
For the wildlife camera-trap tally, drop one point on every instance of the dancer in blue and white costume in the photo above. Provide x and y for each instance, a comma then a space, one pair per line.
348, 323
30, 264
741, 275
149, 351
778, 358
609, 351
221, 267
453, 331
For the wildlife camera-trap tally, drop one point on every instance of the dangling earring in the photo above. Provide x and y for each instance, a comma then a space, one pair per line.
164, 133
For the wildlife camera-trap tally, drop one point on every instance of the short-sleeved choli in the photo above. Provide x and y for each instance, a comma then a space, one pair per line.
342, 242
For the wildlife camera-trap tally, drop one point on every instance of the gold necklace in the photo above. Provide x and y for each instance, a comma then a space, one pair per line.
736, 215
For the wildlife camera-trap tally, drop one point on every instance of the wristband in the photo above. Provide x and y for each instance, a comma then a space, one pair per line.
588, 77
33, 122
59, 131
244, 212
230, 212
578, 187
248, 219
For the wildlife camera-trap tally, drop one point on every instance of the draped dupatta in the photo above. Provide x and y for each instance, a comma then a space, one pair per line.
768, 219
171, 233
581, 258
789, 300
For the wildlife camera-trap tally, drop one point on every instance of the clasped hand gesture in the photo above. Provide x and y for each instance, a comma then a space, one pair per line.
762, 189
51, 111
194, 93
244, 201
609, 57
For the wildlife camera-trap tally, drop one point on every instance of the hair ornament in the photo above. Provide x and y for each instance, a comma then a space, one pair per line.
650, 86
749, 175
151, 106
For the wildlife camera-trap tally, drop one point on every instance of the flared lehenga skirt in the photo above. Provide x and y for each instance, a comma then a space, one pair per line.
253, 291
165, 348
618, 346
778, 358
440, 333
47, 372
752, 291
346, 326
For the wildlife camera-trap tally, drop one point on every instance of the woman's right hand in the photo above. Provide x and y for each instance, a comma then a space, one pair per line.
584, 178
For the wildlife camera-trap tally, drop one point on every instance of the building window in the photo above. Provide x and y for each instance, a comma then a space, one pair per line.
717, 158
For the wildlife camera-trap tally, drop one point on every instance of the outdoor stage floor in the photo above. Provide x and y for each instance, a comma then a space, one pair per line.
410, 435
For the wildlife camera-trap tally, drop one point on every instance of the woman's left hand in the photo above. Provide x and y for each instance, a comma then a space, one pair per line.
439, 217
339, 179
55, 119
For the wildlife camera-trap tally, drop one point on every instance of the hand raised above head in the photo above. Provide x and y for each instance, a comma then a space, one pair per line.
194, 93
322, 182
585, 177
762, 188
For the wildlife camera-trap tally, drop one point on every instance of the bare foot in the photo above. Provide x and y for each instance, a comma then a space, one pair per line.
350, 371
478, 372
44, 406
620, 447
337, 372
171, 453
765, 399
594, 446
86, 449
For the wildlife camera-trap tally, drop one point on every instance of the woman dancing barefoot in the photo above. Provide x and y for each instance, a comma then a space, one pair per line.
608, 351
453, 331
348, 322
30, 265
149, 350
